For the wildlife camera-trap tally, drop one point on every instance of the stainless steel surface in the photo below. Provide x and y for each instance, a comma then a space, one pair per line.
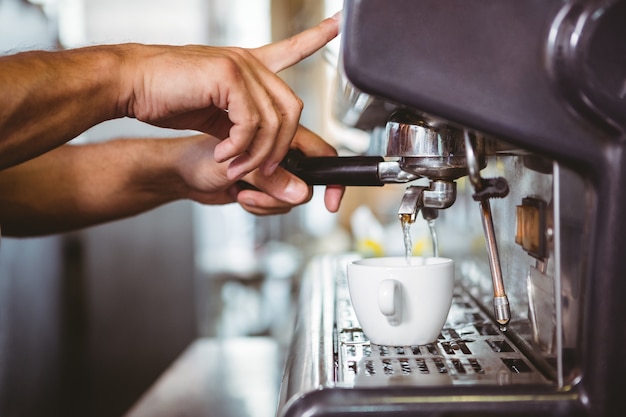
501, 306
471, 351
427, 148
542, 336
473, 165
441, 194
570, 203
500, 300
349, 108
553, 101
236, 377
438, 195
412, 201
310, 364
390, 172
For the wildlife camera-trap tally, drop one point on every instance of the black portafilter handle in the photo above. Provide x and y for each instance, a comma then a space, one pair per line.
334, 170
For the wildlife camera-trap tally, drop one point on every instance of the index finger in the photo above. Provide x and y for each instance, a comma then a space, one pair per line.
283, 54
311, 144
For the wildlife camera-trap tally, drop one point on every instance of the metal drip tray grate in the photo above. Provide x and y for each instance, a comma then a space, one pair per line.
471, 349
472, 369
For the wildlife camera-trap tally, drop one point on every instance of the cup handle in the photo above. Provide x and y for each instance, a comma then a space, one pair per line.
390, 300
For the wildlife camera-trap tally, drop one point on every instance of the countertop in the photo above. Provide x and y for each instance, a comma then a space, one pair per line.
217, 377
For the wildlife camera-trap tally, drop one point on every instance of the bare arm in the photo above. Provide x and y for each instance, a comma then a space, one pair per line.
48, 98
232, 94
76, 186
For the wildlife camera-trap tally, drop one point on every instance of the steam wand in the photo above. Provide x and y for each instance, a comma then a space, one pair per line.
484, 189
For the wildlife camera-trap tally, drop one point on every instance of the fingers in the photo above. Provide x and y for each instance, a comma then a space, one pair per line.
264, 114
285, 53
207, 183
261, 204
332, 197
312, 145
282, 185
264, 111
283, 189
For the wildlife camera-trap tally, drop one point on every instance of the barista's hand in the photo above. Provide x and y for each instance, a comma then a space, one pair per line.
76, 186
230, 93
209, 183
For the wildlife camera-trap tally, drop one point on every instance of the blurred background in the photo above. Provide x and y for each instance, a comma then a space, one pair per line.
89, 320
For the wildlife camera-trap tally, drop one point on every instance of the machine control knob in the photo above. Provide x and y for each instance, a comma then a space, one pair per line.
492, 188
587, 59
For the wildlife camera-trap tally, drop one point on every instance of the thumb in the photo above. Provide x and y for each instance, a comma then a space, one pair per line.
283, 54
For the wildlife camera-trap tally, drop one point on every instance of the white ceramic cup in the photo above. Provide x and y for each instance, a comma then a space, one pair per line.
401, 304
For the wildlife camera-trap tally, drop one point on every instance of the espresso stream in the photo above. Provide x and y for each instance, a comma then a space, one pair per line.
433, 237
405, 221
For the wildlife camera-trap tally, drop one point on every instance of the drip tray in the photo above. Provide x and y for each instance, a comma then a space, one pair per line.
471, 350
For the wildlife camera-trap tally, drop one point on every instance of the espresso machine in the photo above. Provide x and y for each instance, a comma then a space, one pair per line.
515, 113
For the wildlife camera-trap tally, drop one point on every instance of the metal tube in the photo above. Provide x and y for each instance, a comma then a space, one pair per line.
500, 300
473, 166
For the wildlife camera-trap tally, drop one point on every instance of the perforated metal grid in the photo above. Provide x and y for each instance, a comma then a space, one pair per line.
471, 349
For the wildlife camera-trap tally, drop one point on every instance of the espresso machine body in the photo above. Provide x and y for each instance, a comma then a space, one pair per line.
545, 82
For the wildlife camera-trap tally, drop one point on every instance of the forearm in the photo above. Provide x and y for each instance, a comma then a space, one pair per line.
75, 186
48, 98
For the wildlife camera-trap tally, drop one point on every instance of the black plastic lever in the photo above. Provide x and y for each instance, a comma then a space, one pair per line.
334, 170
